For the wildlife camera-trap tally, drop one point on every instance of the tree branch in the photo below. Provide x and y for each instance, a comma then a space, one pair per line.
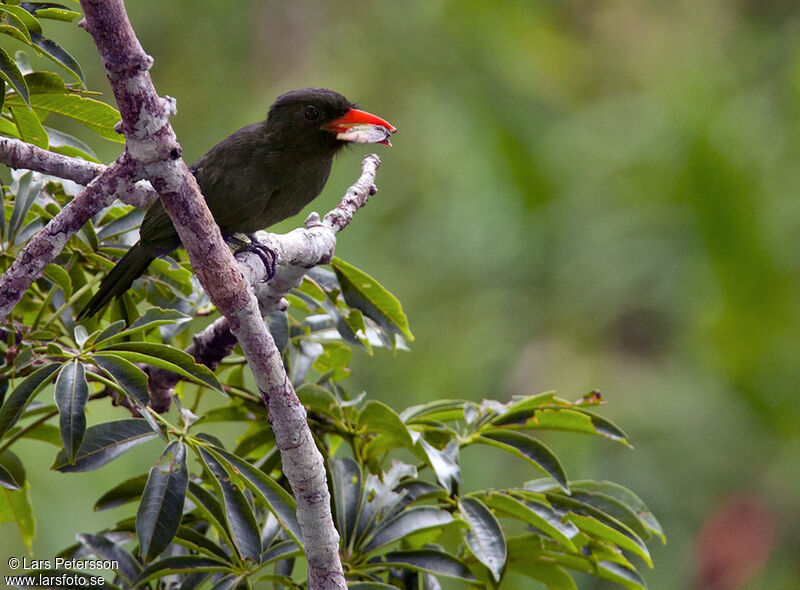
152, 144
42, 249
18, 154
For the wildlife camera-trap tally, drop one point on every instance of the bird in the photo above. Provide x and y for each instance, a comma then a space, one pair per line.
259, 175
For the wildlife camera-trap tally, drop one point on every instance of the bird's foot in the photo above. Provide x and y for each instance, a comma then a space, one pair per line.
267, 256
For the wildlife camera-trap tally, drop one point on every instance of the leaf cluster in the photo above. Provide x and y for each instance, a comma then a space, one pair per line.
29, 98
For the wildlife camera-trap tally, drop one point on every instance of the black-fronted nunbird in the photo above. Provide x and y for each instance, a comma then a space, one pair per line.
256, 177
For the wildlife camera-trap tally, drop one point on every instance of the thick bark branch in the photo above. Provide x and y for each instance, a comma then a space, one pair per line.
151, 142
18, 154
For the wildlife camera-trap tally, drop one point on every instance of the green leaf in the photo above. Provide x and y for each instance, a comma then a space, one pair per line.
27, 191
207, 503
13, 25
238, 512
57, 54
165, 357
72, 393
485, 537
620, 574
196, 541
182, 564
104, 443
29, 126
61, 14
551, 575
444, 463
346, 477
107, 332
281, 550
527, 448
626, 497
31, 23
96, 115
127, 491
432, 561
277, 500
7, 479
15, 506
537, 514
608, 429
15, 403
601, 530
443, 410
11, 74
60, 277
13, 468
160, 510
319, 400
130, 377
378, 417
363, 292
101, 546
45, 83
408, 522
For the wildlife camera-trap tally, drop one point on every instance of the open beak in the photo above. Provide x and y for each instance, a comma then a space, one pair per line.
361, 127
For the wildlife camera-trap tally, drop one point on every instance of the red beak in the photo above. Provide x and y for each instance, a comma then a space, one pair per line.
362, 127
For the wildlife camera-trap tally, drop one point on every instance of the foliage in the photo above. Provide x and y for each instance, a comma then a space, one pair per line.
228, 517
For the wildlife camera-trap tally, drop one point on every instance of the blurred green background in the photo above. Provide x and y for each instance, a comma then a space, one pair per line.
581, 194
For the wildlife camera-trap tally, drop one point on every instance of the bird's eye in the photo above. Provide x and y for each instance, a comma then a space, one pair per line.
312, 113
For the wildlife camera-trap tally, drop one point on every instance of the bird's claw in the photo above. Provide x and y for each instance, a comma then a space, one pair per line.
267, 256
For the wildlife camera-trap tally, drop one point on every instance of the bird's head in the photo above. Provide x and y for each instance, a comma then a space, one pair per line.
324, 117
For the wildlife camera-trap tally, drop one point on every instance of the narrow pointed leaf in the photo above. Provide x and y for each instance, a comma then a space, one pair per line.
58, 54
346, 477
29, 126
431, 561
363, 292
540, 515
130, 377
183, 564
59, 277
238, 512
104, 443
408, 522
603, 531
196, 541
72, 393
530, 449
27, 192
127, 491
620, 574
485, 537
629, 499
165, 357
378, 417
281, 550
277, 499
15, 403
30, 21
15, 506
11, 74
103, 547
160, 510
7, 479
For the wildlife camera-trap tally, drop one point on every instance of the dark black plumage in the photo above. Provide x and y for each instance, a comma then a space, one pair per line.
256, 177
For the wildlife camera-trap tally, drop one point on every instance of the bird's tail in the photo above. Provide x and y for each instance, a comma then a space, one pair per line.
128, 269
